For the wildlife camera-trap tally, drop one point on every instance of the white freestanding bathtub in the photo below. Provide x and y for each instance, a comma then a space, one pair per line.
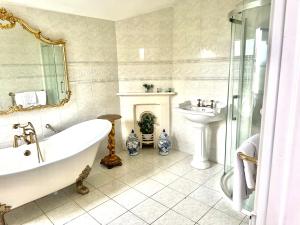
66, 154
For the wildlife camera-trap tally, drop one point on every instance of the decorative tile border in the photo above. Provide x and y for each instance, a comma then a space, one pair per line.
93, 81
178, 61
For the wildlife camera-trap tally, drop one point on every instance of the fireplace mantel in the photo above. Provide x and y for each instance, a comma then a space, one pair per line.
132, 104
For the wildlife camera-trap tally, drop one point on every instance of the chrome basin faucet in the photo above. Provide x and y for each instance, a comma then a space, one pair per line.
29, 137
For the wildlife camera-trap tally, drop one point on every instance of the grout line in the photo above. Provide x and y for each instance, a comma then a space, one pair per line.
44, 213
133, 186
204, 214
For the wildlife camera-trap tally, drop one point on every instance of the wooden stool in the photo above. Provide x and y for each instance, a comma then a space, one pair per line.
111, 159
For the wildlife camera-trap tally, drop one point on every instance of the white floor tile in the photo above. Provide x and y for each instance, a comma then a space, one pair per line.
128, 219
191, 209
184, 186
91, 200
214, 182
165, 177
99, 179
215, 217
119, 171
65, 213
226, 207
198, 176
180, 168
133, 179
114, 188
149, 210
138, 186
173, 218
53, 201
206, 195
149, 187
85, 219
107, 212
41, 220
168, 197
130, 198
23, 214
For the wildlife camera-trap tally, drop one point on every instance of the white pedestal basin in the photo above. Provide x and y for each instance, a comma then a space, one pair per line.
199, 118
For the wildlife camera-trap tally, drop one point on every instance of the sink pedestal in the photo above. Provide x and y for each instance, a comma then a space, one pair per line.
200, 157
200, 118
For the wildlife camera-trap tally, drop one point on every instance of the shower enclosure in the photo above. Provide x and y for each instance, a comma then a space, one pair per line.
249, 48
54, 72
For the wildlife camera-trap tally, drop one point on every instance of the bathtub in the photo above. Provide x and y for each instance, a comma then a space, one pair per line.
66, 155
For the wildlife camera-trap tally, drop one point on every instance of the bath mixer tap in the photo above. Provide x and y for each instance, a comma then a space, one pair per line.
29, 137
16, 139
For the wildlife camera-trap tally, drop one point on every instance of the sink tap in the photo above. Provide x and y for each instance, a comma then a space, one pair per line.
29, 137
199, 103
212, 104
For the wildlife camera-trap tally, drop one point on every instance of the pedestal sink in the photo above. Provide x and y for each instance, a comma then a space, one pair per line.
199, 118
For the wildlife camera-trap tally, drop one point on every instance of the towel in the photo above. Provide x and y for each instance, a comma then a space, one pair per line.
26, 99
41, 97
245, 172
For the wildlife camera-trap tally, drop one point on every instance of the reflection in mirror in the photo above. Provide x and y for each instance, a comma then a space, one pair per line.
33, 71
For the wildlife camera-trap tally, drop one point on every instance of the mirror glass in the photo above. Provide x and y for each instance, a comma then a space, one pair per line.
33, 73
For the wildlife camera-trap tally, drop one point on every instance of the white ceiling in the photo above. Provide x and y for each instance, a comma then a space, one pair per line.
103, 9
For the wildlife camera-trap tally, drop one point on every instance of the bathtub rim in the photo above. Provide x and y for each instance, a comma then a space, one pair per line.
90, 143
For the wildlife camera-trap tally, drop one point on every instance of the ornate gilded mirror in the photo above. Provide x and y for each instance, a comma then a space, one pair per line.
33, 68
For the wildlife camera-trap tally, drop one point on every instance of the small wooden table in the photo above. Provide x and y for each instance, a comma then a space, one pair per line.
111, 160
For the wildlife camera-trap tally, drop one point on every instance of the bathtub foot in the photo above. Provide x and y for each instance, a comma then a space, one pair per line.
3, 209
80, 187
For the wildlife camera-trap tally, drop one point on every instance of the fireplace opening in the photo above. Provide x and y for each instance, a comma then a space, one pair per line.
147, 128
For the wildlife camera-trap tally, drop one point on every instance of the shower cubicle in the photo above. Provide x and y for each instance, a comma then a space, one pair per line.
249, 49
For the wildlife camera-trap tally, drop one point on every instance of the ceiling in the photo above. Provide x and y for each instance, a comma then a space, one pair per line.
102, 9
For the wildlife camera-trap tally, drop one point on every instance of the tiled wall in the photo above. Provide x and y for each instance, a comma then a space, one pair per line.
186, 47
92, 64
201, 47
144, 46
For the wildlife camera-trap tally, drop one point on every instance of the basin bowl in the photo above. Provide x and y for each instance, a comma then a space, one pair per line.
200, 117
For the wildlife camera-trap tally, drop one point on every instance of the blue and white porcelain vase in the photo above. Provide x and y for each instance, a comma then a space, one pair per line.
133, 144
164, 143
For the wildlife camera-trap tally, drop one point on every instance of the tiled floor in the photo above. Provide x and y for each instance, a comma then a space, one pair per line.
147, 189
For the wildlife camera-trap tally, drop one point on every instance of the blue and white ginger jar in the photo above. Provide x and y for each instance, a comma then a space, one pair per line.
133, 144
164, 143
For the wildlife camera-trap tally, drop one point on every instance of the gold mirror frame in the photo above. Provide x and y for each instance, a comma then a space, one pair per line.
11, 23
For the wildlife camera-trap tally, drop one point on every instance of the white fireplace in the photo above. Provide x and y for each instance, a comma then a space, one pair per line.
134, 104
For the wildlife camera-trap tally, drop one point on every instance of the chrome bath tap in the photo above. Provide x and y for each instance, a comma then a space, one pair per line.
29, 137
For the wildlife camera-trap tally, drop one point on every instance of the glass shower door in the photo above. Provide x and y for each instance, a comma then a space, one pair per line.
246, 85
53, 61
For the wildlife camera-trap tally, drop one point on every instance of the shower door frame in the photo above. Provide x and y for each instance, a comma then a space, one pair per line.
272, 84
